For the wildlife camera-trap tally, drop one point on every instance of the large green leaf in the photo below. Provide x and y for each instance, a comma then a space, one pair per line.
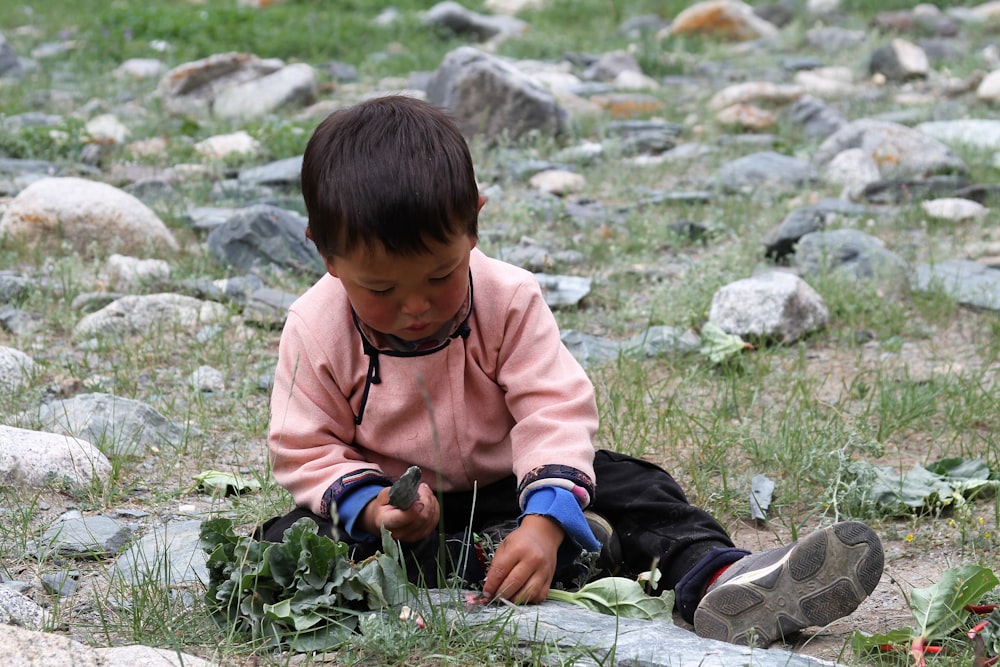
940, 609
619, 596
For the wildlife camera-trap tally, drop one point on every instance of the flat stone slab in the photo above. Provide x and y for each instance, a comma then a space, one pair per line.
594, 638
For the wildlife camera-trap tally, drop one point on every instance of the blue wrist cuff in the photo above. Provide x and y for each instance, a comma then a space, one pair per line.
351, 506
561, 505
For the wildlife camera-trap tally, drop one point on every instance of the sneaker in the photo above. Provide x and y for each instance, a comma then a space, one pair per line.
609, 562
765, 597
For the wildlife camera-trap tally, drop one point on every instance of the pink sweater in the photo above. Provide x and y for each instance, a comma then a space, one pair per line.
509, 398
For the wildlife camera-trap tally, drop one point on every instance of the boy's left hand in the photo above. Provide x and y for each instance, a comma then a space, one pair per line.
525, 562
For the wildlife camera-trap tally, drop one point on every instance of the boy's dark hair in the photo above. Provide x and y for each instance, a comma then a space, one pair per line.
394, 172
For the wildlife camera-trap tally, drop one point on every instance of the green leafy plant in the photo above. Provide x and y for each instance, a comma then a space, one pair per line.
718, 345
938, 611
304, 593
619, 596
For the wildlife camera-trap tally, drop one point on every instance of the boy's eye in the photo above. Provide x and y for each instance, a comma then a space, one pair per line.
442, 278
380, 292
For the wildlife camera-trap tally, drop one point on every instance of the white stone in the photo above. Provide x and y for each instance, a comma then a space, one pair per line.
775, 304
980, 133
140, 68
853, 168
36, 457
221, 145
827, 82
954, 208
148, 314
294, 84
912, 59
129, 273
823, 6
96, 218
16, 369
558, 182
629, 80
512, 7
107, 129
989, 88
755, 91
207, 379
987, 11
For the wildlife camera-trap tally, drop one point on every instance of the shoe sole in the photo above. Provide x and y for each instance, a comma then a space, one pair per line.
823, 578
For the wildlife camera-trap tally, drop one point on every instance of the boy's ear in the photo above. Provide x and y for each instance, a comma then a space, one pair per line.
330, 266
479, 206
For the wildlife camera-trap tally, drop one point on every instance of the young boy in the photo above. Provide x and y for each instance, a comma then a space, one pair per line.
418, 350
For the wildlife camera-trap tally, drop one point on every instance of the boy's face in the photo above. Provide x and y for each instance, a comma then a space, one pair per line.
410, 297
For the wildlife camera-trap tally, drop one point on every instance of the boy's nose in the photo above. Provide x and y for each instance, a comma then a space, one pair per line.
416, 305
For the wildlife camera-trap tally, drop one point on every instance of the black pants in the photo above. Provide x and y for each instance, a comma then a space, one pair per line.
644, 505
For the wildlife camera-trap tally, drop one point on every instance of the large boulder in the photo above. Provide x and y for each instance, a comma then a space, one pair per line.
490, 97
97, 219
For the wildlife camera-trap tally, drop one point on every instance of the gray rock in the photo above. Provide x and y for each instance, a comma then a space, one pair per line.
852, 253
287, 172
966, 281
150, 314
16, 369
209, 217
118, 426
490, 97
904, 191
610, 65
589, 349
816, 118
528, 255
780, 241
899, 61
26, 648
18, 322
461, 21
268, 307
20, 167
774, 305
16, 609
765, 170
294, 85
660, 340
62, 583
264, 237
834, 39
153, 192
36, 458
10, 66
130, 656
610, 640
95, 536
91, 302
562, 291
170, 554
644, 137
900, 152
192, 87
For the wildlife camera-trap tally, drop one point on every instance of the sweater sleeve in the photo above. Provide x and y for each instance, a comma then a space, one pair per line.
551, 399
312, 425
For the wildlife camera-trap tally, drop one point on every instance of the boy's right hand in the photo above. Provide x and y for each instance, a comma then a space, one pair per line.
409, 525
